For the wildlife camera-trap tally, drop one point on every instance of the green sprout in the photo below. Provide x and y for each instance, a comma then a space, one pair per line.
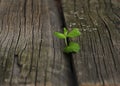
72, 46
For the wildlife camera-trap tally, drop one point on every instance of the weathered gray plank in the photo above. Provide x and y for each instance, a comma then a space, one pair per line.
29, 53
98, 63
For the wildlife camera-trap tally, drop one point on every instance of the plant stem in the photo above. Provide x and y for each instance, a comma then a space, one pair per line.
66, 41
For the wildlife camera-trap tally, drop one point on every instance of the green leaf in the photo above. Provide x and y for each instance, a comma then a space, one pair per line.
65, 31
73, 47
74, 33
60, 35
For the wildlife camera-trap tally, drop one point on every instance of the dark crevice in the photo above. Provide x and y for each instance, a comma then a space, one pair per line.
40, 44
60, 10
24, 13
69, 57
31, 63
6, 64
73, 71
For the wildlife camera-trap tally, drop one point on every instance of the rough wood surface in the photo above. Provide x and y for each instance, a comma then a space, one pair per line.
98, 63
30, 55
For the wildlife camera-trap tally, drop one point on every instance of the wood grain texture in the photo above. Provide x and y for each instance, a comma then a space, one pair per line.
30, 55
98, 62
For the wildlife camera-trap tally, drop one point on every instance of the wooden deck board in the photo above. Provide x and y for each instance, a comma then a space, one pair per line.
98, 63
30, 55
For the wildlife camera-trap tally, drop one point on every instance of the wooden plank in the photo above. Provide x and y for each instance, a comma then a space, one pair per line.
30, 55
98, 62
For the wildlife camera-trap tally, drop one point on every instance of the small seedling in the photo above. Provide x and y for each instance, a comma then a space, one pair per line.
72, 46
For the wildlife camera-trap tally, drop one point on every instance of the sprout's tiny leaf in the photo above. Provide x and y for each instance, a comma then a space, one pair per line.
60, 35
65, 31
73, 47
74, 33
